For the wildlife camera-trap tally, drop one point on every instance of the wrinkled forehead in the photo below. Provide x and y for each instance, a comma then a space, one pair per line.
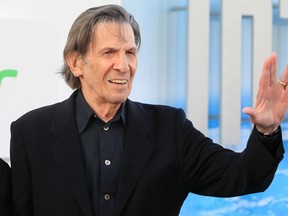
109, 30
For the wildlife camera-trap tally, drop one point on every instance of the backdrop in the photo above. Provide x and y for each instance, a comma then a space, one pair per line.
201, 55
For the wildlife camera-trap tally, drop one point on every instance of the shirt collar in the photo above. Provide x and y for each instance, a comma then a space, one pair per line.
84, 113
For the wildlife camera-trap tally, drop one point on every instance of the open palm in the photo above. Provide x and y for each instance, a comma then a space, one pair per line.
272, 98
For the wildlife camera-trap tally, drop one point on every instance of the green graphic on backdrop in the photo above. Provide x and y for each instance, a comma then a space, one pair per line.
7, 73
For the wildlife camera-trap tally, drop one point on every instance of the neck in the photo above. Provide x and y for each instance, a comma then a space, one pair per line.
105, 112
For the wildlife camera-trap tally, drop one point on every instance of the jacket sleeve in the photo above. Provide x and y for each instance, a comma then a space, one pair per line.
211, 170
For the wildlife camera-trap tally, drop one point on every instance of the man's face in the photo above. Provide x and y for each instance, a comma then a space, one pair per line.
110, 64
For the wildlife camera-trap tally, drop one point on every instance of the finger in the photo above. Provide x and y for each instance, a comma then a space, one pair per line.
284, 76
273, 62
265, 79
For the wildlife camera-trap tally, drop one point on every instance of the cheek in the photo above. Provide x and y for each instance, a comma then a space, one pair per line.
134, 68
96, 74
133, 73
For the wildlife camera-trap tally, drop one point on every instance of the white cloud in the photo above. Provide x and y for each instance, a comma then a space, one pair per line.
282, 172
239, 204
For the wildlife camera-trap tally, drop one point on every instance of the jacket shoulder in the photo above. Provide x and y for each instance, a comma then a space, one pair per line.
47, 112
152, 107
154, 114
38, 113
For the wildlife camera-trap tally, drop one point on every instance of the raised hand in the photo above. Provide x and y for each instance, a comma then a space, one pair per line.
272, 98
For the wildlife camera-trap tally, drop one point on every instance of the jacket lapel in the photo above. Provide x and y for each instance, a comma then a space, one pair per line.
67, 153
137, 151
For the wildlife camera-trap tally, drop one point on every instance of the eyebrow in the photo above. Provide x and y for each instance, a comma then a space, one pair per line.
109, 48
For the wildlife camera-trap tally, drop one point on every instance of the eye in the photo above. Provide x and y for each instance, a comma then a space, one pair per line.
131, 52
108, 52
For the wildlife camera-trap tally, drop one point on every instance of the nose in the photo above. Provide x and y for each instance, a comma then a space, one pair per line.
121, 63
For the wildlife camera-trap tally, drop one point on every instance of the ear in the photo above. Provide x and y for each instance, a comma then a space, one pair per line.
75, 63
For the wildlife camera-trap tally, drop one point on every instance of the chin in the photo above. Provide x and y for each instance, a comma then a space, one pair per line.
120, 100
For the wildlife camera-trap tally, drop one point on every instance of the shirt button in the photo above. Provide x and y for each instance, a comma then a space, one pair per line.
107, 162
105, 128
107, 197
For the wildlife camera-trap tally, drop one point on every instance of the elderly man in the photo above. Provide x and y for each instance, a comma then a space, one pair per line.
100, 154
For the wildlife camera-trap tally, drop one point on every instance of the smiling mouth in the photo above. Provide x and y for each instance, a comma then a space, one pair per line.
118, 81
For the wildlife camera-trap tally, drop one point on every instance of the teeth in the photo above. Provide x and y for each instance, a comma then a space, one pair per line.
118, 81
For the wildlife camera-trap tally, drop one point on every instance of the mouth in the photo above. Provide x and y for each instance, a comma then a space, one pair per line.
118, 81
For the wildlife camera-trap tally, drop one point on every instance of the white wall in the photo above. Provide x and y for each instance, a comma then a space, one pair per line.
33, 34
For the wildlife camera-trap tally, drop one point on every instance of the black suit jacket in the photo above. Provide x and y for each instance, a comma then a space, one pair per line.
5, 189
165, 158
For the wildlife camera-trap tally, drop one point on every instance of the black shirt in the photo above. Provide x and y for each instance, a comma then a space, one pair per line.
102, 147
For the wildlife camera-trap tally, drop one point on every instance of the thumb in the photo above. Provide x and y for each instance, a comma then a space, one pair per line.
249, 111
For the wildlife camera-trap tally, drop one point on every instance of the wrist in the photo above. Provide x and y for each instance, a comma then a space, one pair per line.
268, 133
